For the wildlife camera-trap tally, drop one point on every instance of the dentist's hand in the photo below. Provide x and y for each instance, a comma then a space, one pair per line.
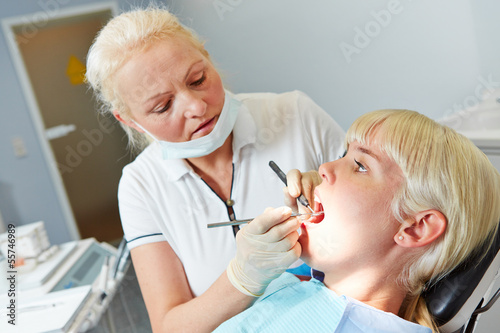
266, 247
300, 183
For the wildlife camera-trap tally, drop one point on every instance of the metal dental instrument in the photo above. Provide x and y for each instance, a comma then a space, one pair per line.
302, 199
237, 222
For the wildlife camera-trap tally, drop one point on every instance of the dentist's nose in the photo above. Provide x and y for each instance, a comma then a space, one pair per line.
192, 106
327, 172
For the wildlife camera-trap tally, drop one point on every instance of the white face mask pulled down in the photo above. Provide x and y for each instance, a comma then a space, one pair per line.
208, 143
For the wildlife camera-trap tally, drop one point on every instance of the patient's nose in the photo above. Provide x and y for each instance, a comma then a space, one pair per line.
326, 171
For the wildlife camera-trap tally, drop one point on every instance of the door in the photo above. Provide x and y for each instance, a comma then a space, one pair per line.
89, 150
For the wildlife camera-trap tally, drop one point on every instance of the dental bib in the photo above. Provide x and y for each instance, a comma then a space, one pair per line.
208, 143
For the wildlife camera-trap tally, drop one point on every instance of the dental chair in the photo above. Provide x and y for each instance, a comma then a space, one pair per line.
457, 300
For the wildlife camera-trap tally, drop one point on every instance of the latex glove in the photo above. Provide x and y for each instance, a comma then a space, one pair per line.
266, 247
300, 183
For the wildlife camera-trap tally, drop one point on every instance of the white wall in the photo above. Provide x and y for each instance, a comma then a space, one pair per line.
422, 56
487, 26
3, 228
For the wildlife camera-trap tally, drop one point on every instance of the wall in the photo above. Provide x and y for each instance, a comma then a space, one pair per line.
487, 27
351, 57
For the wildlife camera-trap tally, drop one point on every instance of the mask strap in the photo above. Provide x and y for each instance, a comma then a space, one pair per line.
145, 130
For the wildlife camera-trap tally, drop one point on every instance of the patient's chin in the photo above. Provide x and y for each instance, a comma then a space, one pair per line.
304, 243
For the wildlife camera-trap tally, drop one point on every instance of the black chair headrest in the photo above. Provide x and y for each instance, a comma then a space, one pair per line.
447, 297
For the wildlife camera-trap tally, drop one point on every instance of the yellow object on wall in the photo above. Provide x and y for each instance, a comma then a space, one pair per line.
75, 71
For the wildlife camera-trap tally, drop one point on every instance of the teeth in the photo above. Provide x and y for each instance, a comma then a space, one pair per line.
316, 199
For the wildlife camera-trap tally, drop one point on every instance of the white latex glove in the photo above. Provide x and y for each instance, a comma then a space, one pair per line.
266, 247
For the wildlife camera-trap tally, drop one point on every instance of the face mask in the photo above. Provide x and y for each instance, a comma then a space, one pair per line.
208, 143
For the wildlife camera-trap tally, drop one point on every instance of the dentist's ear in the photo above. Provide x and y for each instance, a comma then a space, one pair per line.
128, 122
421, 230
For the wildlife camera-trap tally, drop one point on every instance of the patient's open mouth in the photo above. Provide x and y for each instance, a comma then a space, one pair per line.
317, 217
318, 207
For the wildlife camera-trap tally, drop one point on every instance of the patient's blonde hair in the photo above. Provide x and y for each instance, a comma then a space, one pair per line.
444, 171
123, 37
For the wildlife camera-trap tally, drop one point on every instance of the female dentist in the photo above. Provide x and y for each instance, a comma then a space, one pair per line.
208, 162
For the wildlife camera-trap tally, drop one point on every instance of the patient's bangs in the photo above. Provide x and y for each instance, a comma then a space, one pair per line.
389, 122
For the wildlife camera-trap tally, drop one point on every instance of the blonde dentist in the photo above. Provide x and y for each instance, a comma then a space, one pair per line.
207, 162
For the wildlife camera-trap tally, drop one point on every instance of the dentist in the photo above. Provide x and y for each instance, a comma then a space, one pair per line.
204, 159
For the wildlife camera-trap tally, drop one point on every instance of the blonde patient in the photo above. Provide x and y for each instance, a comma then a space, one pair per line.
410, 200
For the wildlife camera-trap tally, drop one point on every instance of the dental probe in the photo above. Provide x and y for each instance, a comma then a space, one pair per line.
302, 199
237, 222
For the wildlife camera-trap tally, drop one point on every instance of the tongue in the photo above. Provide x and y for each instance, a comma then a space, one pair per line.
316, 219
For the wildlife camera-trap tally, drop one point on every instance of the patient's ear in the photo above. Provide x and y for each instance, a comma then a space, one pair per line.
127, 122
421, 230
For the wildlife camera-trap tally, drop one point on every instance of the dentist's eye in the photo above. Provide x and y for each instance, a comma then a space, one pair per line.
361, 167
200, 81
165, 107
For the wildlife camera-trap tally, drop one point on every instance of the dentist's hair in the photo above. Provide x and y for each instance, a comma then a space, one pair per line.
443, 170
121, 38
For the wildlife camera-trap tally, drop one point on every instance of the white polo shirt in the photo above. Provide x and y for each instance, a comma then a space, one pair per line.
165, 200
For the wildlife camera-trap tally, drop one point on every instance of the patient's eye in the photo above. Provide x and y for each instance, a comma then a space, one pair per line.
361, 167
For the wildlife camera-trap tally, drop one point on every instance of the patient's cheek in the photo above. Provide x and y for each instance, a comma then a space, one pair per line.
319, 247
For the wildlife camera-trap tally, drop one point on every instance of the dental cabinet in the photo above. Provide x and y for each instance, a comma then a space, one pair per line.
481, 124
56, 288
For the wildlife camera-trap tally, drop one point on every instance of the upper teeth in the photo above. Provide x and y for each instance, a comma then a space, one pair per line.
316, 199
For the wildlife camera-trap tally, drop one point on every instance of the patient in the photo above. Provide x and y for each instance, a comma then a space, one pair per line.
410, 201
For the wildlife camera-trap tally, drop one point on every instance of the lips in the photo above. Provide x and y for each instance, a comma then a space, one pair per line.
205, 127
